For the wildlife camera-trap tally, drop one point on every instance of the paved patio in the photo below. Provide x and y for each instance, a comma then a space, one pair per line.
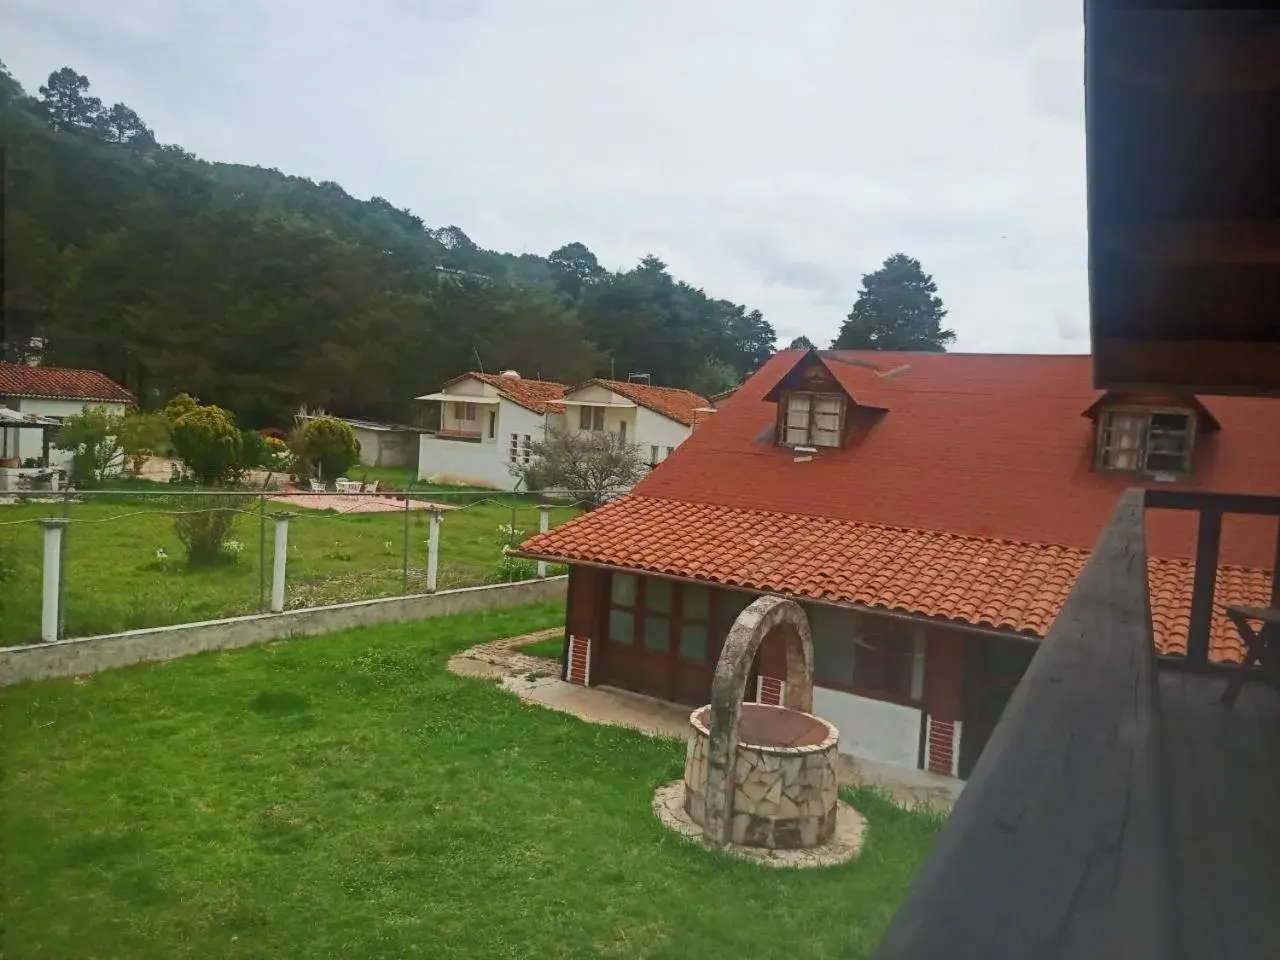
354, 503
538, 681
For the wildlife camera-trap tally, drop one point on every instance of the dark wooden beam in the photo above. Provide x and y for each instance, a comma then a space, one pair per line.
1054, 849
1195, 366
1208, 540
1196, 242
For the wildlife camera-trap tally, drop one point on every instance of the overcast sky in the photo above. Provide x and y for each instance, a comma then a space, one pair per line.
770, 152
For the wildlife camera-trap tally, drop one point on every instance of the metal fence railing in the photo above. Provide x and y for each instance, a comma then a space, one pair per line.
80, 563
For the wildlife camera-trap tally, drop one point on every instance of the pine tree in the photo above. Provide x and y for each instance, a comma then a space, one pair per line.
897, 309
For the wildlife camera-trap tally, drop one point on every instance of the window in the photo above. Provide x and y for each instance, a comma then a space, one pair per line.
464, 411
670, 451
622, 430
812, 419
493, 424
1145, 441
864, 653
513, 450
653, 455
524, 450
591, 418
651, 614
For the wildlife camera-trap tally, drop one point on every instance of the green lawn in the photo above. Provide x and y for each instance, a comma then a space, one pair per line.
113, 580
550, 648
346, 797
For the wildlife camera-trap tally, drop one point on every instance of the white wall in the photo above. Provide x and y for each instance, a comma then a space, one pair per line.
653, 429
31, 443
871, 729
487, 462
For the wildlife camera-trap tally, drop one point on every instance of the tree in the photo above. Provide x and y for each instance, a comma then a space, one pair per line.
93, 437
591, 465
897, 309
66, 101
330, 444
207, 442
574, 266
800, 343
121, 125
714, 376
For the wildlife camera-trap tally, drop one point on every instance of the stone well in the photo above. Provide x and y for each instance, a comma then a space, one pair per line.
784, 777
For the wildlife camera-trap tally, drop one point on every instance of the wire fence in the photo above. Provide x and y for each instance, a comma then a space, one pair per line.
129, 558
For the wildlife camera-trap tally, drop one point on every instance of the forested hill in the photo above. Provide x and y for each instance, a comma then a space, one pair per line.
260, 291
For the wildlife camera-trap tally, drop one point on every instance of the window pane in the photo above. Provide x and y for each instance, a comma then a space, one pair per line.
693, 642
834, 652
657, 634
657, 595
1122, 440
584, 418
622, 592
733, 603
696, 600
1168, 439
621, 626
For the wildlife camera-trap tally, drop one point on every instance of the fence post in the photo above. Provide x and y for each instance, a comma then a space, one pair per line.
404, 558
433, 550
52, 585
281, 558
544, 524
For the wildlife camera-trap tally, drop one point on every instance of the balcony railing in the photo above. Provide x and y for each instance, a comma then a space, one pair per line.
1119, 808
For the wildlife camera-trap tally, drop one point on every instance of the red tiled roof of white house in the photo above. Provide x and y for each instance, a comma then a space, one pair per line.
60, 383
967, 490
675, 403
536, 395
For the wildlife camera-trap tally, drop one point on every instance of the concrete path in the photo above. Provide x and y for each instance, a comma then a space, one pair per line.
538, 681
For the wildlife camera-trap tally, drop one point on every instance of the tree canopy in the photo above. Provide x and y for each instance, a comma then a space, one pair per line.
897, 309
261, 292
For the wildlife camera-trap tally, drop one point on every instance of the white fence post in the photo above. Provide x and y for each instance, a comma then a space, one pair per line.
52, 578
544, 524
281, 559
433, 550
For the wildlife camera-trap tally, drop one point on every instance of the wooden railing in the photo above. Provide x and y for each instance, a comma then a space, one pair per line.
1059, 846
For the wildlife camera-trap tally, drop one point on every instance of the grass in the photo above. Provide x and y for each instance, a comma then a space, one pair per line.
549, 648
345, 796
113, 580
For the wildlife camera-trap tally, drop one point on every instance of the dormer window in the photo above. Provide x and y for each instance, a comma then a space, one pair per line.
1146, 441
812, 419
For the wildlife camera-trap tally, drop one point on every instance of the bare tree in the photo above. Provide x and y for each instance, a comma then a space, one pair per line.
593, 464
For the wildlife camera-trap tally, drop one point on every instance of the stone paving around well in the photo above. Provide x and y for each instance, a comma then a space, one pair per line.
538, 680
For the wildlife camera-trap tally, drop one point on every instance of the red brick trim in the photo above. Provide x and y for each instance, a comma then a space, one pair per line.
769, 690
942, 746
579, 671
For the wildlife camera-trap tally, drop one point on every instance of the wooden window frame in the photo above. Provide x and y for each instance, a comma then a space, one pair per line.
588, 416
464, 411
675, 617
895, 647
1102, 447
784, 403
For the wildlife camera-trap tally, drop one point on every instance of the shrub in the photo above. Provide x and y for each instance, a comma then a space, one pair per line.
179, 407
253, 449
204, 527
277, 456
511, 569
329, 444
143, 435
206, 440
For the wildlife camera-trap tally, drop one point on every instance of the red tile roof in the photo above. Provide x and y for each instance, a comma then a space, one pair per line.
983, 582
672, 402
974, 498
536, 395
60, 383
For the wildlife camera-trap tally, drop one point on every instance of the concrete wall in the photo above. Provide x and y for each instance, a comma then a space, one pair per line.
872, 729
30, 442
655, 430
387, 448
65, 658
484, 462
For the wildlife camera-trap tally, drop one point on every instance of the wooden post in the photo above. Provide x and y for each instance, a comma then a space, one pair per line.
433, 550
1208, 536
281, 560
544, 524
51, 587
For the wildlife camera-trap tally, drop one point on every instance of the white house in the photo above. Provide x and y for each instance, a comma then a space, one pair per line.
657, 419
49, 394
487, 424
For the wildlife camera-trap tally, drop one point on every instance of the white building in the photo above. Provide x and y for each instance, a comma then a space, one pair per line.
657, 419
487, 424
385, 444
50, 393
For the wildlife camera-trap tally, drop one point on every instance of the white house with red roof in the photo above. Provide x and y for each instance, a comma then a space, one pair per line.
488, 422
48, 394
929, 511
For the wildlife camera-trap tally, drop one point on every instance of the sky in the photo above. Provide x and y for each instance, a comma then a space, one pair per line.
770, 152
